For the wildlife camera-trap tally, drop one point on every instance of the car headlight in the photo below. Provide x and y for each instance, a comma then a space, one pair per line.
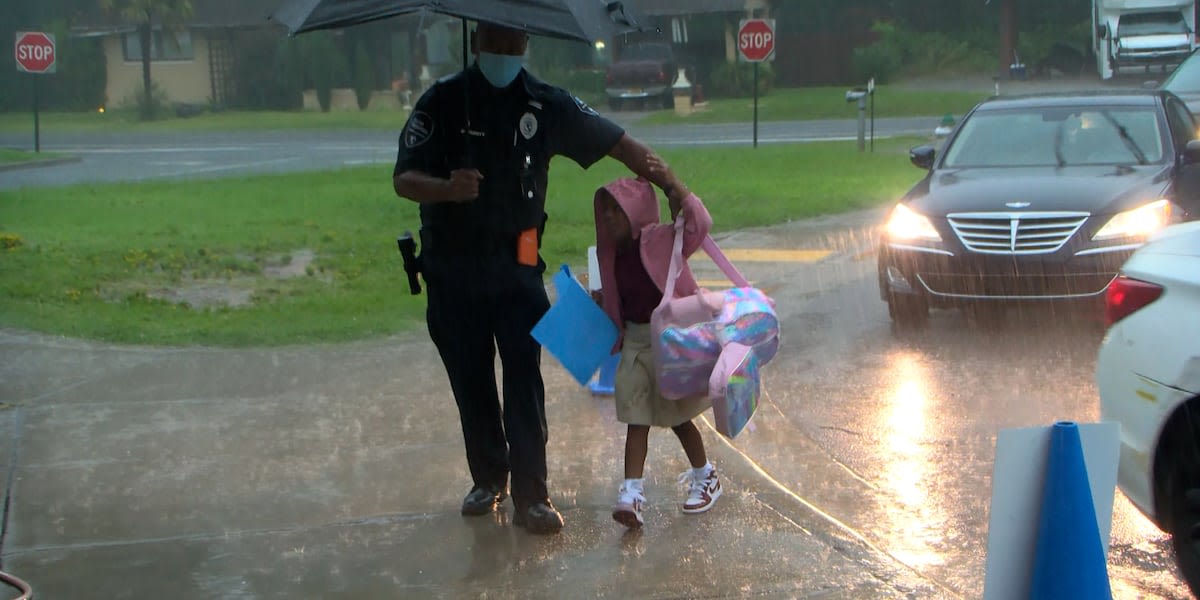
904, 224
1138, 222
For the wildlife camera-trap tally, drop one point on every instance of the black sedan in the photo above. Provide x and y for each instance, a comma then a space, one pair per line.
1185, 82
1038, 199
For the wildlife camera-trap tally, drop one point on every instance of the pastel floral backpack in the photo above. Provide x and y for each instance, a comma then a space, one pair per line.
714, 343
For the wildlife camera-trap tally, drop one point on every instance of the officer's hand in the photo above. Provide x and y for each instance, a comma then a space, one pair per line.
660, 171
676, 190
656, 165
463, 185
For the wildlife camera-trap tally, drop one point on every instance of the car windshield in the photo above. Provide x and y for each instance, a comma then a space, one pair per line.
1186, 77
1151, 24
1058, 136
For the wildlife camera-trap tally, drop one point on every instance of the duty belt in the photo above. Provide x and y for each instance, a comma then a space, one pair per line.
467, 243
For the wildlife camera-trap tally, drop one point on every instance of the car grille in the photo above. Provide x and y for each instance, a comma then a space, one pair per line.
1016, 233
1016, 286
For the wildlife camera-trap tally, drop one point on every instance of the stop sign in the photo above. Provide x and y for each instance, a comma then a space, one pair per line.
756, 39
35, 52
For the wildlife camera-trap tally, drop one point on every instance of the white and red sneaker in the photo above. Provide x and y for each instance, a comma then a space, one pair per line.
703, 490
628, 509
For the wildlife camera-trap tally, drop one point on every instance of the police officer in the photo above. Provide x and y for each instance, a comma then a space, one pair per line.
475, 154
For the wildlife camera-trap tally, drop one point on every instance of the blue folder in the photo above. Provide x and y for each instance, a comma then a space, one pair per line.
575, 330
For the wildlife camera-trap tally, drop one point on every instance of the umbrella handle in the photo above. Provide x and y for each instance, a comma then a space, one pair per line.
467, 160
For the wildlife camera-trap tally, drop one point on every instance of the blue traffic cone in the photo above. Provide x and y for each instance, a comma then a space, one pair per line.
1069, 561
604, 383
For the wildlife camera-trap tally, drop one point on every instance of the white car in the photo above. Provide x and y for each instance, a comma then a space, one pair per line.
1148, 376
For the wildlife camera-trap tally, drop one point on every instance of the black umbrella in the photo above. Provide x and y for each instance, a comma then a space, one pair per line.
583, 20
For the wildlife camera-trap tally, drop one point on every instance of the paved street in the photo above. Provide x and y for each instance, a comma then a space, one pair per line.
140, 157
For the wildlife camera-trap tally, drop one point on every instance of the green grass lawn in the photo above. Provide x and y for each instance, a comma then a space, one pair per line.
110, 262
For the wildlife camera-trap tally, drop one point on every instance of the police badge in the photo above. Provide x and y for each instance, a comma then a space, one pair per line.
528, 125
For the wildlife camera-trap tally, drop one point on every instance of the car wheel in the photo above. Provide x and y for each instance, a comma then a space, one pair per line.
908, 311
1182, 490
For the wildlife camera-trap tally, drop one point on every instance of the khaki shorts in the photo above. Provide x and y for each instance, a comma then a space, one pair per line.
636, 391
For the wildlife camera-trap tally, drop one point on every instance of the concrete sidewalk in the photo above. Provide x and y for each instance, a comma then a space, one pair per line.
337, 472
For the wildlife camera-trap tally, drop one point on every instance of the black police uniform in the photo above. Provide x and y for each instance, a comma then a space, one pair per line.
480, 298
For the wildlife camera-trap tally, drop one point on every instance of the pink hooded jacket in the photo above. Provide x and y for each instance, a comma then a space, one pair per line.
640, 202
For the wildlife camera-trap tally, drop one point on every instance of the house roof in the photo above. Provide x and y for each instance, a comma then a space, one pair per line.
687, 7
212, 14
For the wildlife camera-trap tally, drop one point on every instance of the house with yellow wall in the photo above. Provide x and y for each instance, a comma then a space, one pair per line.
192, 60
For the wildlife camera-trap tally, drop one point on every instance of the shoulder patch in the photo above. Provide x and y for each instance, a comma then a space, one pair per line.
583, 107
418, 130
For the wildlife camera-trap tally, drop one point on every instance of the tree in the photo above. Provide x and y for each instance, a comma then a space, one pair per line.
145, 14
1008, 34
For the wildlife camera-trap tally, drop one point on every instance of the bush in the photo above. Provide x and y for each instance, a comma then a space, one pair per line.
274, 79
922, 53
364, 77
326, 65
736, 80
876, 61
157, 106
1065, 50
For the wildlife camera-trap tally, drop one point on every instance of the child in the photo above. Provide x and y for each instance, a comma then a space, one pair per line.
634, 254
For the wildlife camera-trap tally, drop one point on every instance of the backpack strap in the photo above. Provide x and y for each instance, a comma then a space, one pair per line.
714, 252
676, 263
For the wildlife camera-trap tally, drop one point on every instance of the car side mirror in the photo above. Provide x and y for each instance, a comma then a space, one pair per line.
1102, 31
922, 156
1191, 153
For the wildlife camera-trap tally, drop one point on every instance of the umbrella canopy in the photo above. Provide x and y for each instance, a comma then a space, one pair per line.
583, 20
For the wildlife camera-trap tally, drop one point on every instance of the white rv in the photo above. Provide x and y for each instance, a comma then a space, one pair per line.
1132, 36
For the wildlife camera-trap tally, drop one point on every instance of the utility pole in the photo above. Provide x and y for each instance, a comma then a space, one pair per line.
1008, 34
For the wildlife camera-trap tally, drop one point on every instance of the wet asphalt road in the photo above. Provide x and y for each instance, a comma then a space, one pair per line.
140, 157
907, 422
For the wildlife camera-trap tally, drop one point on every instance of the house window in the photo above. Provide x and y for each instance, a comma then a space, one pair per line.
164, 45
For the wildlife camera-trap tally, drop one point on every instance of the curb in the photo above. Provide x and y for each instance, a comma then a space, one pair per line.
34, 164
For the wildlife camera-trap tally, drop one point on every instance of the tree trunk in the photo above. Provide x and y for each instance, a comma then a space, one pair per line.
1008, 35
147, 95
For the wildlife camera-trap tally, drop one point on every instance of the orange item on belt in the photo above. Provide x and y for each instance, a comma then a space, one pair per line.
527, 247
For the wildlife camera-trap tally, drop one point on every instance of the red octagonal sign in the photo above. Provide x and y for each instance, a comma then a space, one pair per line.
35, 52
756, 39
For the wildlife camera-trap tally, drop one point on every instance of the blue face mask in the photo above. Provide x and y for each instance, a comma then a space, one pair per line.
500, 69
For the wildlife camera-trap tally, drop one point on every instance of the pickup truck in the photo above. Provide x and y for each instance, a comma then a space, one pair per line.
642, 73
